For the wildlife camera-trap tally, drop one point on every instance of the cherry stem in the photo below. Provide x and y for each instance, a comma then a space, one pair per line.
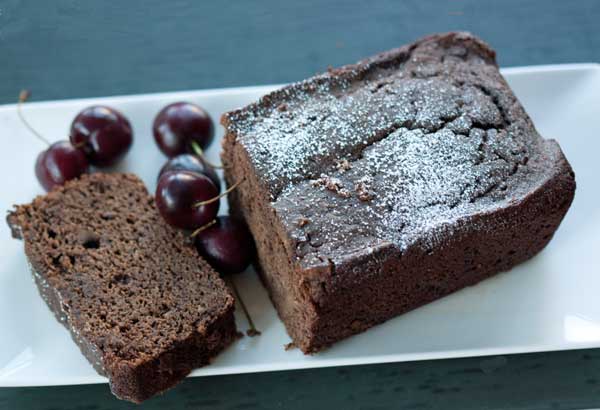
252, 331
23, 96
203, 227
200, 152
81, 145
216, 198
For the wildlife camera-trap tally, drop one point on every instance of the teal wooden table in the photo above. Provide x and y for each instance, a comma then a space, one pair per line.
559, 380
67, 48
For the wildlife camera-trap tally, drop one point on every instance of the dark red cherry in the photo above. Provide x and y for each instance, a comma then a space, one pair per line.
59, 163
103, 133
178, 125
192, 163
177, 194
227, 245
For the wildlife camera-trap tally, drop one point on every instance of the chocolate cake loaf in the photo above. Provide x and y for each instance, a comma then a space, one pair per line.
143, 307
381, 186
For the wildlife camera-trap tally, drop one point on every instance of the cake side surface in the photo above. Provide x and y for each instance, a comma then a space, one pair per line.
368, 183
369, 288
139, 302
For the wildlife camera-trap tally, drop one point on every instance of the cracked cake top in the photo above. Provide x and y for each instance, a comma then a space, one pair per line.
394, 150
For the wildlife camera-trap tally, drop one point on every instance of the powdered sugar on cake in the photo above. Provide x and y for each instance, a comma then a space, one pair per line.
395, 155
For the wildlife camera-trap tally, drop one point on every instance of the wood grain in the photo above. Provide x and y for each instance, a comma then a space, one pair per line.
560, 380
67, 48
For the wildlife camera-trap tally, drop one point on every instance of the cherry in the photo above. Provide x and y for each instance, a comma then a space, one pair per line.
178, 196
227, 245
179, 126
192, 163
59, 163
103, 133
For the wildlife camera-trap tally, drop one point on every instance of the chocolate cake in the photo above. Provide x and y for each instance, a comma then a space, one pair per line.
378, 187
143, 307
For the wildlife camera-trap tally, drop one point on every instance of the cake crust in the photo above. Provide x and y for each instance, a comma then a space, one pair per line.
380, 186
139, 302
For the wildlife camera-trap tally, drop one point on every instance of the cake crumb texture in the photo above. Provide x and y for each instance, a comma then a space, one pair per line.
143, 307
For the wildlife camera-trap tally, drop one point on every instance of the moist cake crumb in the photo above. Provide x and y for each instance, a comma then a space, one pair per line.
140, 303
343, 165
362, 188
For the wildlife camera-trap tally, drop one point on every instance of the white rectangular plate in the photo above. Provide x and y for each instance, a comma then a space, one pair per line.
548, 303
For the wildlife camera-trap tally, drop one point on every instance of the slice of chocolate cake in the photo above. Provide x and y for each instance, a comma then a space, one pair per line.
143, 307
381, 186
